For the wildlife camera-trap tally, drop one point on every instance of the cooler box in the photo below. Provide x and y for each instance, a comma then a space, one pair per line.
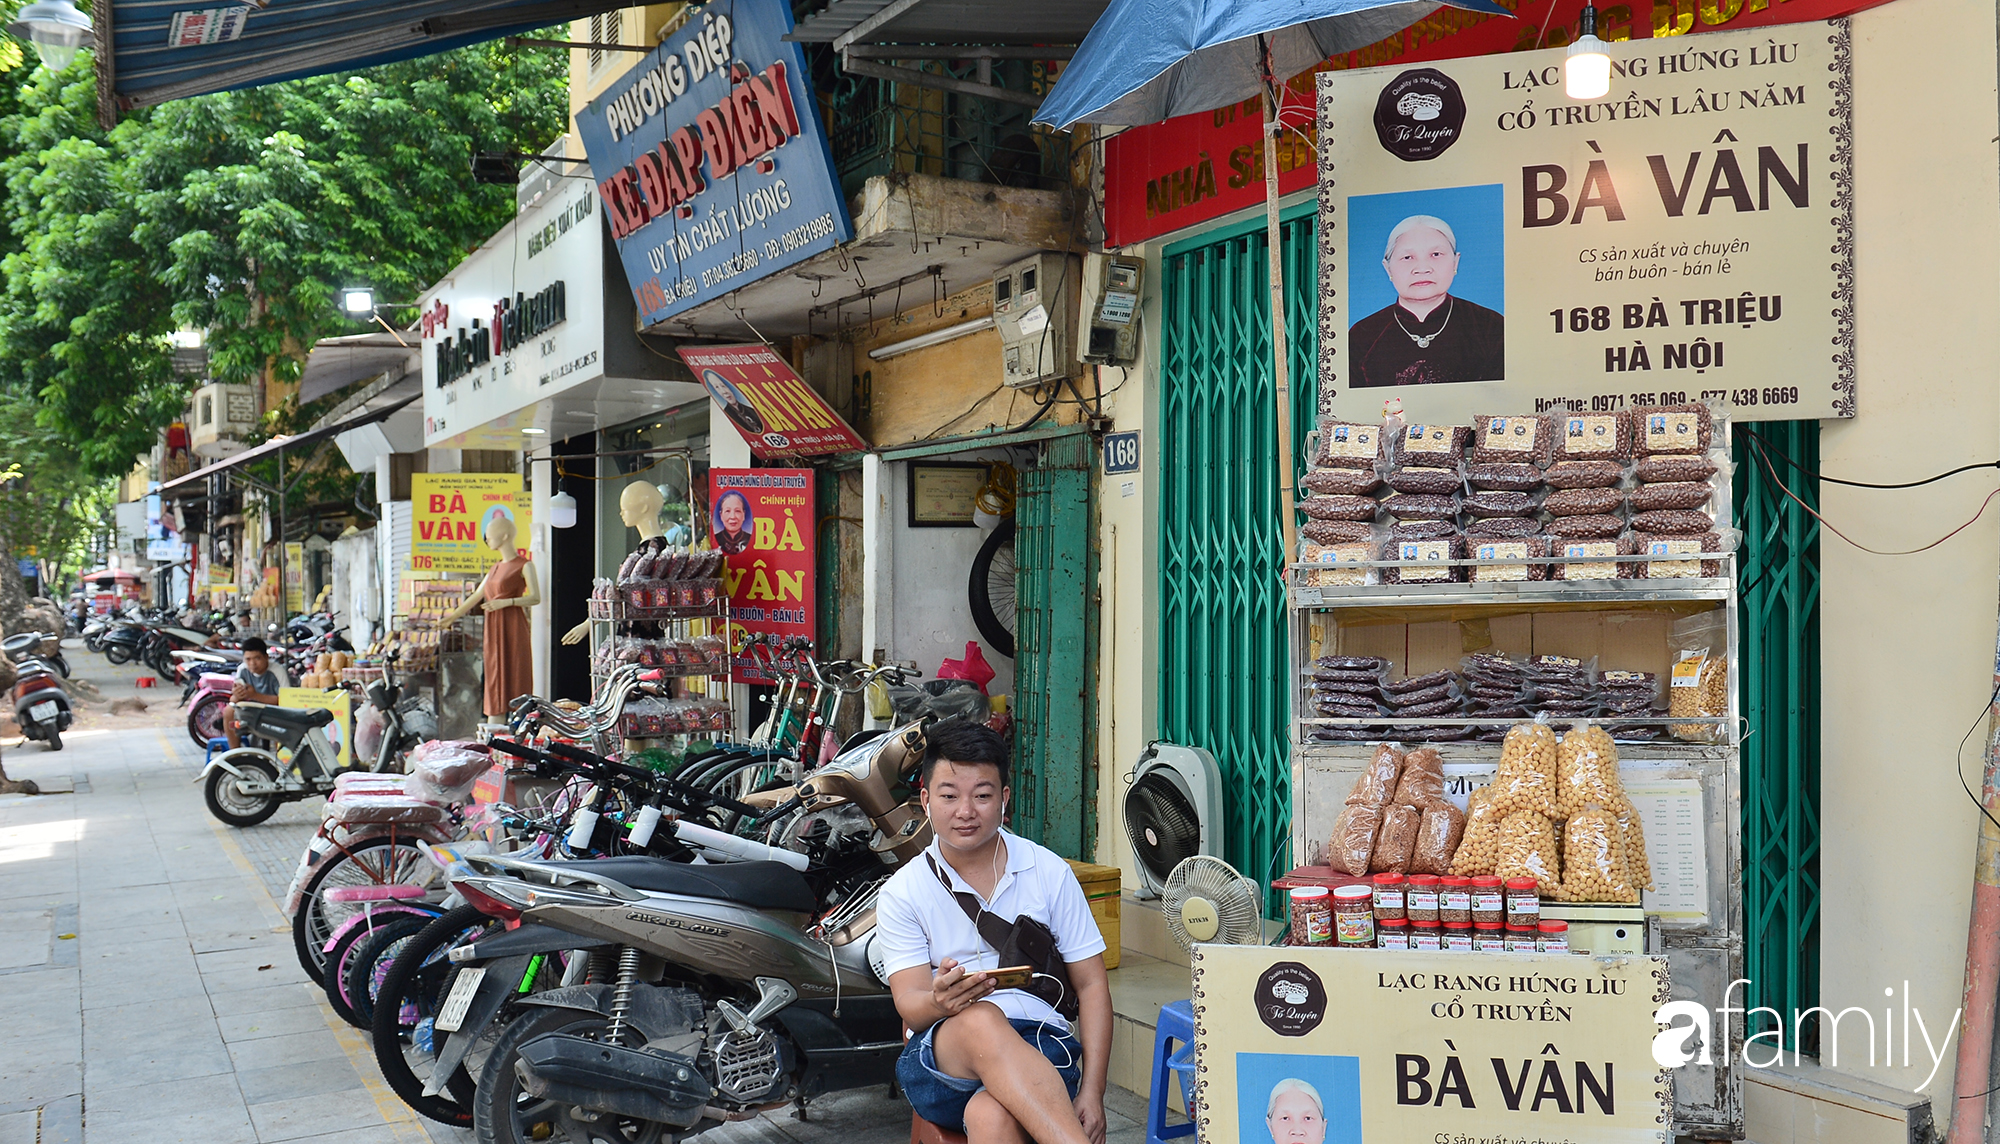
1101, 886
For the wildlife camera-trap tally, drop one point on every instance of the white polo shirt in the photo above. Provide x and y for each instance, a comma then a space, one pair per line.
918, 922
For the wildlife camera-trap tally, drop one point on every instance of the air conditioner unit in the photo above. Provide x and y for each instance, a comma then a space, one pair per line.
1035, 309
1114, 309
1173, 811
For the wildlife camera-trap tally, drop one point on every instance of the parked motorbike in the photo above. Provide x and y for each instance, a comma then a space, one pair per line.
245, 786
120, 642
37, 645
207, 694
718, 991
41, 706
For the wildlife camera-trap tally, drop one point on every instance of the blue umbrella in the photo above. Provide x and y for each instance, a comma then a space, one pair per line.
1148, 60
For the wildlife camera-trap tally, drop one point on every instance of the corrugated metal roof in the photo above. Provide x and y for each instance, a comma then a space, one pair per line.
290, 39
956, 21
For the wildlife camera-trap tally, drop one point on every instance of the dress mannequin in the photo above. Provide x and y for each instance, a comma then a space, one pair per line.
508, 590
639, 507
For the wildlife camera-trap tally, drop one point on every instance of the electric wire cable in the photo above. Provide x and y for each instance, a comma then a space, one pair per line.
1960, 768
1762, 444
1831, 527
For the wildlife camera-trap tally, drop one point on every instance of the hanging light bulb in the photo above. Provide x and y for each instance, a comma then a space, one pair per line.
1587, 71
57, 30
562, 509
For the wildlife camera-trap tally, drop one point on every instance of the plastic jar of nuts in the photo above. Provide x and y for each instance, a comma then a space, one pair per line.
1455, 899
1429, 936
1392, 933
1489, 937
1312, 916
1521, 939
1489, 901
1458, 937
1388, 896
1354, 915
1524, 903
1553, 937
1420, 900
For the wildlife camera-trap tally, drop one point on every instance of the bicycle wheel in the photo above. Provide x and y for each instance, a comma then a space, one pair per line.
991, 589
412, 991
379, 861
351, 975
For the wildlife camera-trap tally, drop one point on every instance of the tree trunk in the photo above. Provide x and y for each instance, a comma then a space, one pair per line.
13, 599
14, 786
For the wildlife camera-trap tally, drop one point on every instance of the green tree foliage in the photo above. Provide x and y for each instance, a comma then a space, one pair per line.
240, 214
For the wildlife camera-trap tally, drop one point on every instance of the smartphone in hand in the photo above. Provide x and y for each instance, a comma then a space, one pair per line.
1011, 977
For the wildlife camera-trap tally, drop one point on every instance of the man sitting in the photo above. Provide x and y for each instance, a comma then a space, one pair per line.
255, 683
997, 1064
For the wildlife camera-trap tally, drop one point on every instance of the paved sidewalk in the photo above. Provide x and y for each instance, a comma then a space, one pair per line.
149, 990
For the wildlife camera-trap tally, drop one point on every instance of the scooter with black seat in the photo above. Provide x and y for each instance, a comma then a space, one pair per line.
247, 785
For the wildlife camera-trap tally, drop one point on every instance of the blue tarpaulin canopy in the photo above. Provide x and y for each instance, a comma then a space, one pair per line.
1148, 60
156, 53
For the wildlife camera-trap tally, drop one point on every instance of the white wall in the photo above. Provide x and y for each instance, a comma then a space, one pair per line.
1898, 830
930, 617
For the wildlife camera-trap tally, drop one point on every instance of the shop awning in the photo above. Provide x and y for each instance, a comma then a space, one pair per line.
157, 51
848, 22
336, 363
198, 480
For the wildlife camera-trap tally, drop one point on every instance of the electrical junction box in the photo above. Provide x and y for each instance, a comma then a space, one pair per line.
1114, 311
1035, 310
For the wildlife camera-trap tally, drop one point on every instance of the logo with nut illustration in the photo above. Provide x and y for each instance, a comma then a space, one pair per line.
1290, 999
1419, 115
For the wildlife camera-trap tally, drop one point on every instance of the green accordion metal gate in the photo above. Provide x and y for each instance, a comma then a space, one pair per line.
1222, 603
1778, 655
1055, 650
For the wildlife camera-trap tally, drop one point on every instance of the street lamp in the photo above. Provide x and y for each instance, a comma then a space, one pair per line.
57, 30
358, 302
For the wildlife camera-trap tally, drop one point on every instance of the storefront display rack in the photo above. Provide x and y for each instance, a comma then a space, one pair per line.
1695, 922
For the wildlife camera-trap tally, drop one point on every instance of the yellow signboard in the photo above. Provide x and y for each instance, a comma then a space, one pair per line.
452, 515
1362, 1045
334, 699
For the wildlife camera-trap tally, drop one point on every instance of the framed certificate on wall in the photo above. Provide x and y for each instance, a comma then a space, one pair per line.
944, 493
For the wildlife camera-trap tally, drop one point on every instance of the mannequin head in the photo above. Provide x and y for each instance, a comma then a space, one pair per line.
639, 507
498, 530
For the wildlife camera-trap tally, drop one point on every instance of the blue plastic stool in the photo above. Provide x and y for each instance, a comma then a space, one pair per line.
216, 744
1176, 1023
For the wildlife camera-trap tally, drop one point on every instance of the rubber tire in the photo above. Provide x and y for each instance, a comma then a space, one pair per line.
55, 739
208, 700
387, 1031
301, 941
498, 1082
217, 777
983, 616
118, 653
360, 949
93, 643
62, 664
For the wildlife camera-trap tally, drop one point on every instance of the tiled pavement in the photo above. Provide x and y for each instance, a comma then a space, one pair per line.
149, 992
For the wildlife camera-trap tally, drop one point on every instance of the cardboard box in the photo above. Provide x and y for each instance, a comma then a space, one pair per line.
1101, 884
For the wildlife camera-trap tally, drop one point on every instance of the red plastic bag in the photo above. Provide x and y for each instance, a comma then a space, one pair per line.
973, 667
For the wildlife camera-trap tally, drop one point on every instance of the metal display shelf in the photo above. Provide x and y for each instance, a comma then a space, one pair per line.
1703, 954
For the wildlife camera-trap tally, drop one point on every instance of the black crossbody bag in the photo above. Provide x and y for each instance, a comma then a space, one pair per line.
1023, 941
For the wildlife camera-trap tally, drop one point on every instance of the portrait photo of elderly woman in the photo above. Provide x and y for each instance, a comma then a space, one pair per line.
1428, 334
1295, 1114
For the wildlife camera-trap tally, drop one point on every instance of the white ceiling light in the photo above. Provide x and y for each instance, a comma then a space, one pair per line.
934, 338
57, 30
1587, 70
533, 429
562, 511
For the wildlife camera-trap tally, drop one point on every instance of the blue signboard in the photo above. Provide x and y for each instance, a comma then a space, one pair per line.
1121, 452
711, 160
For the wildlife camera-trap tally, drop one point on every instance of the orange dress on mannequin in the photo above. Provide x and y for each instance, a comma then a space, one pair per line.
510, 662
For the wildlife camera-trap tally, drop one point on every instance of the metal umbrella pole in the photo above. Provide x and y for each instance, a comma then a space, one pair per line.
1281, 374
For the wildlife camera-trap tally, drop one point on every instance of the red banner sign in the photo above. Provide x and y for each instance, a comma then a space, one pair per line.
762, 519
1166, 176
774, 409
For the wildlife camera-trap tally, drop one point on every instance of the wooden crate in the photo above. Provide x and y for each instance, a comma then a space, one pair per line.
1101, 884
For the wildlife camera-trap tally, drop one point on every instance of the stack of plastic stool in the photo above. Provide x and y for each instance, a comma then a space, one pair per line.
1176, 1023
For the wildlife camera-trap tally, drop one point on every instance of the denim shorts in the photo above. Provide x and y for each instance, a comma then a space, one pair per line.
941, 1098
